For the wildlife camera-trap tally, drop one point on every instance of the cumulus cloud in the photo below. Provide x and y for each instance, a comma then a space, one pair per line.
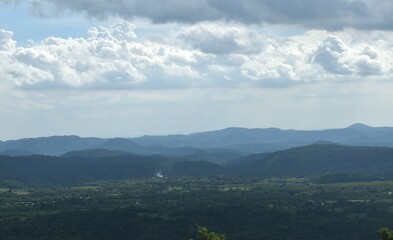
330, 55
6, 42
204, 55
335, 57
321, 14
218, 38
110, 57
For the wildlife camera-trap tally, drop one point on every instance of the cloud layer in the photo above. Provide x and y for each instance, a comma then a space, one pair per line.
218, 63
321, 14
215, 54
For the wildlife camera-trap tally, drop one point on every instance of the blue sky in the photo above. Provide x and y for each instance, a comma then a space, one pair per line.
19, 18
129, 68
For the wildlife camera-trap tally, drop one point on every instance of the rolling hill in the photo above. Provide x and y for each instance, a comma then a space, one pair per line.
320, 159
239, 141
331, 162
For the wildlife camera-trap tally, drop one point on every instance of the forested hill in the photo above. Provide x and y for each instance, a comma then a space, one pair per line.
98, 165
310, 161
317, 159
56, 170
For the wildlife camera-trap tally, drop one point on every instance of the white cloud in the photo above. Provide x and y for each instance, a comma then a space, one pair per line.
221, 54
111, 57
218, 38
330, 55
6, 42
337, 58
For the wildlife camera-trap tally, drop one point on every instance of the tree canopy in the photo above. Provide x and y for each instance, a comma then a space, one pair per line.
385, 233
204, 234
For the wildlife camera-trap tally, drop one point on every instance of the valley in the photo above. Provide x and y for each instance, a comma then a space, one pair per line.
127, 189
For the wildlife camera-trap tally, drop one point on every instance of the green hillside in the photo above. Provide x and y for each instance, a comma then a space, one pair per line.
317, 160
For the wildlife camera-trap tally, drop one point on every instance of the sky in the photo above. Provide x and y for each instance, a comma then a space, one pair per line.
126, 68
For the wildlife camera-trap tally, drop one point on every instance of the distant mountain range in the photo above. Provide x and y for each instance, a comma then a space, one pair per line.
272, 139
221, 145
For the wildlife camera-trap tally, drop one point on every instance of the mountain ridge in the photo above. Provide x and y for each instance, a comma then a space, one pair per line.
239, 140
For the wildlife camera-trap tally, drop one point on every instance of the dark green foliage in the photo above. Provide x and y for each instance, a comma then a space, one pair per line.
349, 177
218, 156
385, 234
156, 209
55, 170
204, 234
195, 168
78, 167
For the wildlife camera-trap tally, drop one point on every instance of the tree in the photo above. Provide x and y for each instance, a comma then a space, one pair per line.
385, 233
204, 234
